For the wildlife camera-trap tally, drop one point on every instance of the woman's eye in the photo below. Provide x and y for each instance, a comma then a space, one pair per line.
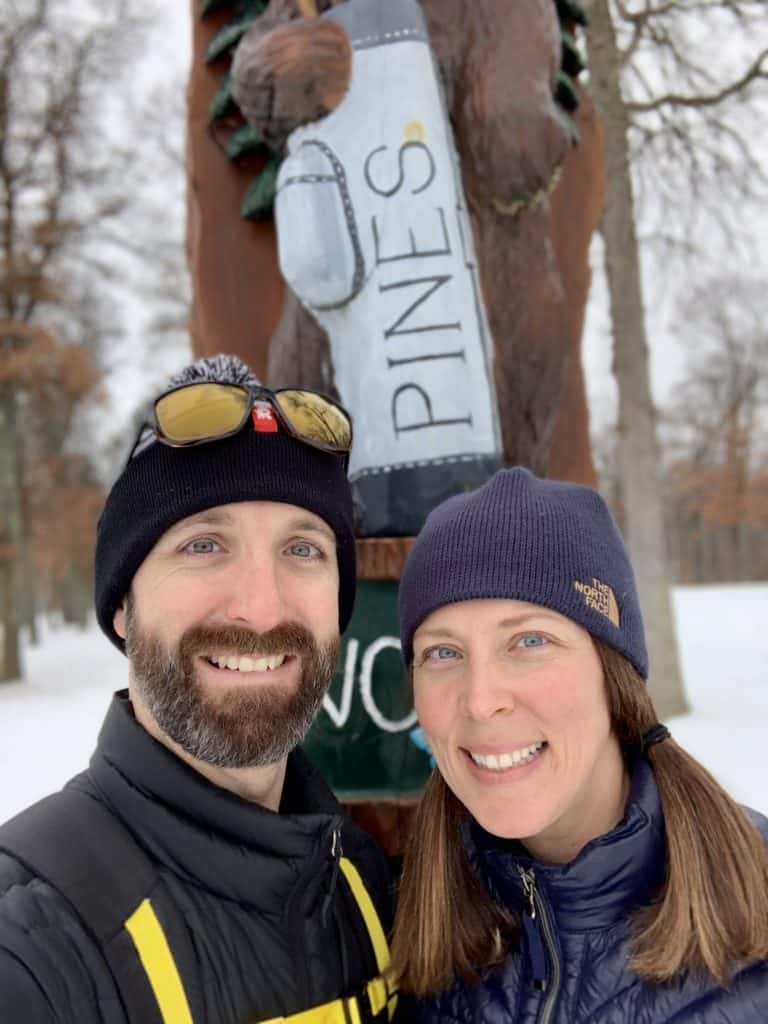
440, 653
303, 549
201, 546
531, 640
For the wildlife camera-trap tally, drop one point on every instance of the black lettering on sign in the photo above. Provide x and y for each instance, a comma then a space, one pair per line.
383, 190
436, 282
429, 420
414, 252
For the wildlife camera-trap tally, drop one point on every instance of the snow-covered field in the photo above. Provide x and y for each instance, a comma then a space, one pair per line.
48, 723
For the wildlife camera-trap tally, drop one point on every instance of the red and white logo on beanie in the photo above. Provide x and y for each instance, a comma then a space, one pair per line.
264, 419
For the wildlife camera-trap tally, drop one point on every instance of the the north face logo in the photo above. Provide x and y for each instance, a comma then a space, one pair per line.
598, 595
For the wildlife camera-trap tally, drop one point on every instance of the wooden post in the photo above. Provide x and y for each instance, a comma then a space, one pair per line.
236, 284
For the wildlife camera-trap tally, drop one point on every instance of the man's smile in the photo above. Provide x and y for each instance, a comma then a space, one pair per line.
247, 663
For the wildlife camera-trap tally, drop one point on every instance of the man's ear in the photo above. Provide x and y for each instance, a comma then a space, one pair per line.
118, 619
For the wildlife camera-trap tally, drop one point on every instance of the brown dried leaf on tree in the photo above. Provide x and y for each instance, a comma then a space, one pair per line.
716, 429
62, 179
64, 503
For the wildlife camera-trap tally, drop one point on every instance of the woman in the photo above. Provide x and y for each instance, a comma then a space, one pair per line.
569, 861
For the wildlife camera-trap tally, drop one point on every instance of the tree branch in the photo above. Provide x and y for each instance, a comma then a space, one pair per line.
754, 72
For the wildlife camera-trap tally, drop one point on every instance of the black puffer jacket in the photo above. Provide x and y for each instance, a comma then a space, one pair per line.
577, 943
248, 886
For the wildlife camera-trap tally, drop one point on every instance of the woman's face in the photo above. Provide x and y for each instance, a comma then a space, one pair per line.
512, 699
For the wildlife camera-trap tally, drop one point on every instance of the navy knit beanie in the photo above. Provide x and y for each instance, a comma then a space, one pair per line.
161, 485
519, 537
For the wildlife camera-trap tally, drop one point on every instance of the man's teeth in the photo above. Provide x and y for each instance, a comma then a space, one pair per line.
497, 762
242, 663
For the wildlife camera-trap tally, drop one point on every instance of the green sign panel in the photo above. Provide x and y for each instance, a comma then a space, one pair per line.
361, 738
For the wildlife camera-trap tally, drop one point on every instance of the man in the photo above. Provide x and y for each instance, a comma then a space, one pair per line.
201, 870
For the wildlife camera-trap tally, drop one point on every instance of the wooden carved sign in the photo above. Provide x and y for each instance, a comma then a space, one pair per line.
375, 244
533, 197
266, 78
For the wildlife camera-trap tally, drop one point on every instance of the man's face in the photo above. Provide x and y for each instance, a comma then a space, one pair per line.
231, 630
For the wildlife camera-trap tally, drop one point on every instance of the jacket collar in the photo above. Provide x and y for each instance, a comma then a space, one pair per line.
204, 833
611, 876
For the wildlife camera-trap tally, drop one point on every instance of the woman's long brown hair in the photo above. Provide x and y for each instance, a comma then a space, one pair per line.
710, 916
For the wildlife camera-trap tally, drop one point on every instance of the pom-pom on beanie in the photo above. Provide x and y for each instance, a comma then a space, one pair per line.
519, 537
161, 485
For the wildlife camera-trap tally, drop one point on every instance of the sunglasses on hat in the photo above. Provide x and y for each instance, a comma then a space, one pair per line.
203, 411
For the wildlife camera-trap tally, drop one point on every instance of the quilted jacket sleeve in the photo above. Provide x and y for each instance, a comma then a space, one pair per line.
21, 998
50, 970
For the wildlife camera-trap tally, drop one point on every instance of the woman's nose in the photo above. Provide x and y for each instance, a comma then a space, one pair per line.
487, 692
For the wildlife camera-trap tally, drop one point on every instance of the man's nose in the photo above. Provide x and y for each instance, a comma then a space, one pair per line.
254, 597
487, 691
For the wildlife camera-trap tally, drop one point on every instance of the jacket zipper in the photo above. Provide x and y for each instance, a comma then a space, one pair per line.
296, 917
337, 853
537, 925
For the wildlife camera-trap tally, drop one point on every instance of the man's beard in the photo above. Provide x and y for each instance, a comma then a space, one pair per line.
245, 725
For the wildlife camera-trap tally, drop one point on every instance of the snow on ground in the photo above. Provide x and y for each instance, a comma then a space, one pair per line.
49, 723
723, 634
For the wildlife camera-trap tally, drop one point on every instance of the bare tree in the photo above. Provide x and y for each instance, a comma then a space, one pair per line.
154, 245
649, 86
62, 178
716, 435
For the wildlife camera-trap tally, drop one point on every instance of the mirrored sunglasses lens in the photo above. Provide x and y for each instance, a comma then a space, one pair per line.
201, 411
316, 419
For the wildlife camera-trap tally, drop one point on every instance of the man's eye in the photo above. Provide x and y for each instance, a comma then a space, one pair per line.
303, 549
201, 546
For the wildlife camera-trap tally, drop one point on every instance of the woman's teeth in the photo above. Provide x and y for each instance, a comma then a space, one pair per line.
242, 663
498, 762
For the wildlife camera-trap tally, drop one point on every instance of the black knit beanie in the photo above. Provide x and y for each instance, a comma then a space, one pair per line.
161, 485
519, 537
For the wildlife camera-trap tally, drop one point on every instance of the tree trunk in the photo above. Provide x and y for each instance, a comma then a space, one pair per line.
10, 523
637, 448
74, 599
26, 616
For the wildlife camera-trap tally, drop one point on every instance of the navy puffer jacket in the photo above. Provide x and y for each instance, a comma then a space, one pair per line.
572, 964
